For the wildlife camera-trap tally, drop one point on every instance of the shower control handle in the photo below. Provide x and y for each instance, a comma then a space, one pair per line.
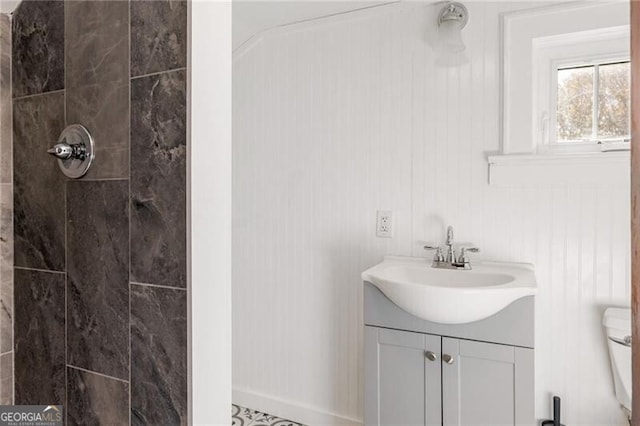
64, 151
61, 150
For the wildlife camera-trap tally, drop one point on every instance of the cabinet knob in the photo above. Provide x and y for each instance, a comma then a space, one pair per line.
447, 358
430, 356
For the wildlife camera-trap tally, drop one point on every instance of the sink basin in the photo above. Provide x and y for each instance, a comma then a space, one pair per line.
450, 296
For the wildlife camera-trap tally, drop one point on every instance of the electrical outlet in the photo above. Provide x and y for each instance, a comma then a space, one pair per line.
384, 224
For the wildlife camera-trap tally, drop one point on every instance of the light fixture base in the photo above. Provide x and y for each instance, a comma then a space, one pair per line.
454, 12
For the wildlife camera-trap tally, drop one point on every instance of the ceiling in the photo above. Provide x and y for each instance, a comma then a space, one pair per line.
253, 17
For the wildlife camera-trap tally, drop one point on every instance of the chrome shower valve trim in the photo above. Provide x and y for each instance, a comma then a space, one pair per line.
74, 150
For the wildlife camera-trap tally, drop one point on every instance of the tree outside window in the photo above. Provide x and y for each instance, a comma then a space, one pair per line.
593, 103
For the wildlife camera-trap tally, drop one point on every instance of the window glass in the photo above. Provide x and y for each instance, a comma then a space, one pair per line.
575, 104
613, 100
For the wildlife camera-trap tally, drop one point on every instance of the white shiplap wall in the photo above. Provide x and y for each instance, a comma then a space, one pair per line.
340, 117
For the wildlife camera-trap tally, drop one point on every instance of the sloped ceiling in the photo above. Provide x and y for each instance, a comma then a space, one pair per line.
253, 17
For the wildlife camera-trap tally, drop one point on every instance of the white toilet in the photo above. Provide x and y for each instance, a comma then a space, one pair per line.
617, 322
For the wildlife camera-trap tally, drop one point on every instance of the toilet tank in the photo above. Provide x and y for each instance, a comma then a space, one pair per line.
617, 322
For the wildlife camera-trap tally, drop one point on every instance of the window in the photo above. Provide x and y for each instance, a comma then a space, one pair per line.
592, 104
563, 77
541, 47
582, 92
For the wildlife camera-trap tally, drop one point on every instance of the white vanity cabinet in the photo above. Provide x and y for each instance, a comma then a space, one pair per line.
422, 373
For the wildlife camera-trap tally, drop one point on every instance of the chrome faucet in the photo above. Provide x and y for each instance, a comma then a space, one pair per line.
451, 261
451, 255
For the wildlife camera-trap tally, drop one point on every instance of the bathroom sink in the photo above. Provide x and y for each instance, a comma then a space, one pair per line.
450, 296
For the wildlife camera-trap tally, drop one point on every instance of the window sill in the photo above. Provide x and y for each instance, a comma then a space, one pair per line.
592, 168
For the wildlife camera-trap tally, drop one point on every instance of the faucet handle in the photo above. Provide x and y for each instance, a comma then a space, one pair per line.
463, 258
438, 257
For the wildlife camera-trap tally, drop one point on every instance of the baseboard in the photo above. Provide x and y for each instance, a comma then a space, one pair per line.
290, 410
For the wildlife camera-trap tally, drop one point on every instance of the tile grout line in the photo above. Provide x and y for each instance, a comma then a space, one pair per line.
129, 210
66, 237
66, 220
66, 284
151, 74
25, 268
13, 311
66, 352
103, 179
19, 98
168, 287
96, 373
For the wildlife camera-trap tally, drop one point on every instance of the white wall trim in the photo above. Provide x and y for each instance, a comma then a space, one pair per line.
290, 410
209, 189
601, 168
305, 25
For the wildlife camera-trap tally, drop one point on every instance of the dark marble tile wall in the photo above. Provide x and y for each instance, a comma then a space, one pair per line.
96, 400
158, 355
39, 337
98, 276
158, 36
158, 179
118, 68
39, 204
38, 47
97, 80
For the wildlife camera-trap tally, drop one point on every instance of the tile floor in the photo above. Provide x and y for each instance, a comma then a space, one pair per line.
241, 416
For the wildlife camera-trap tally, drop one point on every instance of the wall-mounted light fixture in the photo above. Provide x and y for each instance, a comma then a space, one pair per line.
451, 20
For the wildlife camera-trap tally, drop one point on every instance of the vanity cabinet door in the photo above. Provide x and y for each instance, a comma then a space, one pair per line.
402, 385
486, 384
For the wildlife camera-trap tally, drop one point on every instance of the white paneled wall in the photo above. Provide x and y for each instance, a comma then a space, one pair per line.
337, 118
